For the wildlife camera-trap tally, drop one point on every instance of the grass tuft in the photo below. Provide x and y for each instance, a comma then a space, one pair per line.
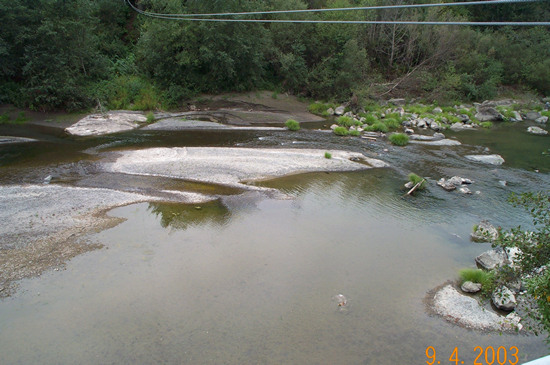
485, 278
415, 179
292, 125
150, 117
341, 131
399, 139
328, 155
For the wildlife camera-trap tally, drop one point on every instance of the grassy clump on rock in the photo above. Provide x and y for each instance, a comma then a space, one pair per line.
485, 278
415, 179
399, 139
328, 155
292, 125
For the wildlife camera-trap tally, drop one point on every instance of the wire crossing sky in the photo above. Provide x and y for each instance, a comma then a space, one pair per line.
197, 17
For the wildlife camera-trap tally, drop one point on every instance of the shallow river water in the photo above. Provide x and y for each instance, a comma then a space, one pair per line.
252, 280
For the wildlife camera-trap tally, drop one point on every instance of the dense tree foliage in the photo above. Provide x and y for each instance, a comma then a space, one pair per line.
73, 54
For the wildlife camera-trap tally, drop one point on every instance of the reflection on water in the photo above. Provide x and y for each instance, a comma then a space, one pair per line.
183, 216
245, 285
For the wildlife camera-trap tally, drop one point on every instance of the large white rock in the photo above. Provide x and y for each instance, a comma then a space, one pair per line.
466, 311
488, 159
537, 130
112, 122
235, 166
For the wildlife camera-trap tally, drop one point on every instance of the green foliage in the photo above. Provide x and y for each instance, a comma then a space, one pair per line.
340, 131
128, 92
485, 278
392, 123
4, 118
319, 108
378, 127
21, 118
415, 179
150, 117
370, 119
345, 121
399, 139
534, 254
419, 109
487, 125
328, 155
292, 125
354, 133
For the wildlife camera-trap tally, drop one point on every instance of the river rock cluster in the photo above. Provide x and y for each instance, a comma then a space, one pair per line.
462, 117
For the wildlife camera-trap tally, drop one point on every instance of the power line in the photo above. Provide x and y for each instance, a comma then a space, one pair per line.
183, 17
378, 7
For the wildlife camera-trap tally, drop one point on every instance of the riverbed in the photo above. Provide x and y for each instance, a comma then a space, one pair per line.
250, 277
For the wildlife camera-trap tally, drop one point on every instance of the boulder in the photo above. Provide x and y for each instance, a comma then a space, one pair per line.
487, 114
491, 259
465, 190
437, 110
340, 110
503, 298
112, 122
483, 232
446, 185
517, 117
409, 131
470, 287
464, 118
537, 130
488, 159
532, 115
334, 126
330, 111
542, 120
421, 123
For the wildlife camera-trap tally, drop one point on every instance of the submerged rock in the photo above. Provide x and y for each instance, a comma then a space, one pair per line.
491, 259
454, 182
10, 139
503, 298
488, 159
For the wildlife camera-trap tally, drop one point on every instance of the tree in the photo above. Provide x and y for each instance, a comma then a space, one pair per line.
532, 263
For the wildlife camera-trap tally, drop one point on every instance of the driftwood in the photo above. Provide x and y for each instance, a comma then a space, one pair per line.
370, 138
415, 187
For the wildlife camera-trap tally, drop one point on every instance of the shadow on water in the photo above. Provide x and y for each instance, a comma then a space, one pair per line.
184, 216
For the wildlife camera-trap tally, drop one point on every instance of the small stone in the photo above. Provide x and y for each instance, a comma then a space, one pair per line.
330, 111
339, 110
439, 135
503, 182
470, 287
409, 131
334, 126
465, 190
409, 185
437, 110
488, 159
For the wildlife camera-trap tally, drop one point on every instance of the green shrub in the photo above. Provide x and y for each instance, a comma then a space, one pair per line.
354, 133
487, 125
391, 123
370, 119
21, 118
345, 121
419, 109
319, 109
150, 117
4, 118
545, 113
378, 127
341, 131
292, 125
485, 278
328, 155
415, 179
399, 139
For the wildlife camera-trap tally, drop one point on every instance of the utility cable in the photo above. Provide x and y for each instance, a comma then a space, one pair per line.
377, 7
310, 21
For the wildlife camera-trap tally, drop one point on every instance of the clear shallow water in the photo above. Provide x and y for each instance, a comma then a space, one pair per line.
255, 284
251, 280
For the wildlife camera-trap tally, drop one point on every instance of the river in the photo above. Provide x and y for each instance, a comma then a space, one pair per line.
252, 279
